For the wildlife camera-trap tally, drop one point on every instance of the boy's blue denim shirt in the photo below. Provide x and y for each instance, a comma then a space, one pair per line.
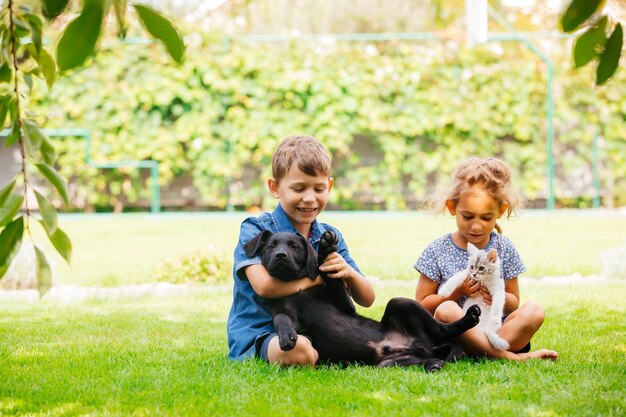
248, 322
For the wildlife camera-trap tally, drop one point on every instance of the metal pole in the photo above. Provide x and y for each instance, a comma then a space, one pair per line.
551, 200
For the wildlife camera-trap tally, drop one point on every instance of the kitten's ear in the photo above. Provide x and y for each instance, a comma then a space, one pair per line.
471, 249
492, 256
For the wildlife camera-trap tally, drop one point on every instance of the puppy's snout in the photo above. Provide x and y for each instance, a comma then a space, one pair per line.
280, 254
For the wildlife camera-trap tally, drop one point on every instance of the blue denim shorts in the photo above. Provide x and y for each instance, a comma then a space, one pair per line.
262, 350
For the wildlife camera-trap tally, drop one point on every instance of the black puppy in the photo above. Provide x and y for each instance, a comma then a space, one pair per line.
406, 335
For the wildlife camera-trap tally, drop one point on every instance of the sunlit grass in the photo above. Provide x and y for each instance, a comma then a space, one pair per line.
148, 355
166, 356
114, 250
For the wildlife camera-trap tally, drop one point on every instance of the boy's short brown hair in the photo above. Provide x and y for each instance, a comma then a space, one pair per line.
308, 153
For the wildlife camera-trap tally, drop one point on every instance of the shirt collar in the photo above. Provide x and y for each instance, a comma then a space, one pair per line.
282, 223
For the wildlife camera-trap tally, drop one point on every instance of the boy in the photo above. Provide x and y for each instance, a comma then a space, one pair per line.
301, 181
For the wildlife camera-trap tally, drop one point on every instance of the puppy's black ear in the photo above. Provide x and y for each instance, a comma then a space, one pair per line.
311, 260
257, 243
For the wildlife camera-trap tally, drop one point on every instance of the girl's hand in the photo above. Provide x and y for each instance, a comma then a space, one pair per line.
336, 267
484, 292
470, 287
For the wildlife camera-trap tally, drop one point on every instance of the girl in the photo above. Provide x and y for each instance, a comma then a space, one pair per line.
480, 195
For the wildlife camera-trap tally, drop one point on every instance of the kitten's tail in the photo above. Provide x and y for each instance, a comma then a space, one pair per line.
496, 341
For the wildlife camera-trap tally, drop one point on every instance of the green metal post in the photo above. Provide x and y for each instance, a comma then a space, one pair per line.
153, 166
155, 204
550, 133
551, 200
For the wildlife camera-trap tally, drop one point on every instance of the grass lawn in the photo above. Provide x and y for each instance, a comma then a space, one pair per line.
153, 356
114, 250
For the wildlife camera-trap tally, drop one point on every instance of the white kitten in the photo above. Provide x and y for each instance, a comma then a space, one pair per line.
484, 267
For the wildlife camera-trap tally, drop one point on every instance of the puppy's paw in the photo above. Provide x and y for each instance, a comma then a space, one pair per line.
433, 365
473, 313
287, 341
328, 244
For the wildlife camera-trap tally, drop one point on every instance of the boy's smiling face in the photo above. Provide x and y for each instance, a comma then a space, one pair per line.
302, 196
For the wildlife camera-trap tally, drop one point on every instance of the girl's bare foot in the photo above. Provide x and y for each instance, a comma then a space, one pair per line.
539, 354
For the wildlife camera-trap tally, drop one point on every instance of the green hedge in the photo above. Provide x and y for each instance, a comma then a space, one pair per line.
397, 117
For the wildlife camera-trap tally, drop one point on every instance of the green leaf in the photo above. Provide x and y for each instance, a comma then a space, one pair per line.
6, 191
161, 28
44, 273
31, 138
14, 133
28, 79
53, 8
609, 60
4, 110
588, 45
47, 66
12, 105
36, 27
34, 134
62, 244
79, 39
21, 24
119, 7
10, 241
6, 73
577, 12
55, 179
10, 208
48, 153
48, 214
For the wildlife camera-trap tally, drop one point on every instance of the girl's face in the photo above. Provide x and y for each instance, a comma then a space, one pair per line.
476, 215
302, 196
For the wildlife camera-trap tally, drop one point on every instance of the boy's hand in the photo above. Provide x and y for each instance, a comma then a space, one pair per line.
336, 267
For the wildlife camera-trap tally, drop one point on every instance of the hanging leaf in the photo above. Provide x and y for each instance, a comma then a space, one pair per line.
6, 73
161, 28
79, 39
34, 134
48, 153
47, 66
12, 105
48, 214
36, 27
31, 139
10, 241
10, 208
14, 133
6, 191
609, 60
589, 45
4, 110
55, 179
62, 244
53, 8
44, 273
577, 12
119, 7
